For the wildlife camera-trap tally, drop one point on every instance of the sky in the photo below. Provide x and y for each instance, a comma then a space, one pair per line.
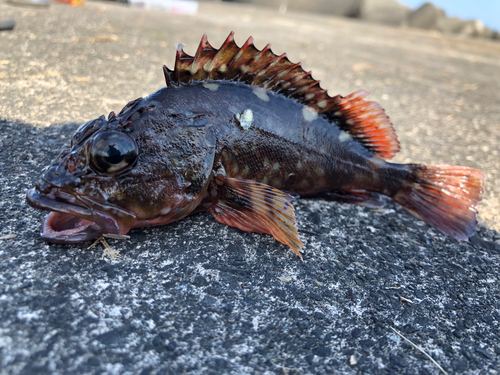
488, 11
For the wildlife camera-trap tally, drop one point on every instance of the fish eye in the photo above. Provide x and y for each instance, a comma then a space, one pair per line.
112, 152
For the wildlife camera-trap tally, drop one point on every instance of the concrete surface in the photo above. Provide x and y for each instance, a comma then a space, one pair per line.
199, 297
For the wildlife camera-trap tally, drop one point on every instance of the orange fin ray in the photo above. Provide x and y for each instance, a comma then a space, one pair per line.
366, 122
255, 207
444, 196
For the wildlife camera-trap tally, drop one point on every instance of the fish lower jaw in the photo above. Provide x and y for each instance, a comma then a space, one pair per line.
59, 227
70, 223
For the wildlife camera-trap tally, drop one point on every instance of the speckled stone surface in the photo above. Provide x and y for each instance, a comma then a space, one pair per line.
198, 297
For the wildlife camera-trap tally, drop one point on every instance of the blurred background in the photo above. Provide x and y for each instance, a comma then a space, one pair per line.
434, 67
480, 18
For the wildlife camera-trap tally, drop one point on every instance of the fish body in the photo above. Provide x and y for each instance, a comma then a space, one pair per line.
239, 133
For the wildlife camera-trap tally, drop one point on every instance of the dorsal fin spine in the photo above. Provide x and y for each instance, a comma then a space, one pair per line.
229, 39
301, 89
281, 76
262, 52
168, 76
365, 121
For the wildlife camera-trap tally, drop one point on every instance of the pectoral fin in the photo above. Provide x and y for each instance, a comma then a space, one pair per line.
255, 207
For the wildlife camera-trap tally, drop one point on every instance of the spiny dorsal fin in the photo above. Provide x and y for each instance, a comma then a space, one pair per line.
365, 121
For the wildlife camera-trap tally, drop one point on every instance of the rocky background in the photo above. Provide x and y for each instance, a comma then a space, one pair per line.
387, 12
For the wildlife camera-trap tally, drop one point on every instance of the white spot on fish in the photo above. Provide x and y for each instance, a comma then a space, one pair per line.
344, 136
261, 94
223, 68
377, 160
208, 66
193, 69
165, 211
301, 89
245, 118
238, 55
309, 114
244, 68
322, 103
276, 166
299, 165
179, 46
221, 170
281, 74
211, 86
246, 170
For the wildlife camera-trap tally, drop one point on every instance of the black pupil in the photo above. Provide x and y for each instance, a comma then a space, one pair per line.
112, 152
113, 155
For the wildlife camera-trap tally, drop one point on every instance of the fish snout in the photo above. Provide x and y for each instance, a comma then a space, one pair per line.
60, 176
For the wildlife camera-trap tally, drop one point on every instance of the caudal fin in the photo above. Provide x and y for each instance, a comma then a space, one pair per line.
444, 196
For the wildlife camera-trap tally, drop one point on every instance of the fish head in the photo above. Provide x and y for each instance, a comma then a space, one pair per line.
142, 167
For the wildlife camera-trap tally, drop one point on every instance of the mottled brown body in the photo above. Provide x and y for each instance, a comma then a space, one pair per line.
239, 133
281, 146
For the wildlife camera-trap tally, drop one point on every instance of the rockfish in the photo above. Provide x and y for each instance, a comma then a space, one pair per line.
240, 132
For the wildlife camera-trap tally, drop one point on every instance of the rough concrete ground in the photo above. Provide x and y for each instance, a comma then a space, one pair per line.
199, 297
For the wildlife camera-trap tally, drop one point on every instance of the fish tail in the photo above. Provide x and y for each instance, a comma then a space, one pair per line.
444, 196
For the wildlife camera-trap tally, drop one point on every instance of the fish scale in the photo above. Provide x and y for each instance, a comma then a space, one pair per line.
241, 132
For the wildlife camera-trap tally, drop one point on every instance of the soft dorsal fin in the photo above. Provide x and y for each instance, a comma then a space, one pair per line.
365, 121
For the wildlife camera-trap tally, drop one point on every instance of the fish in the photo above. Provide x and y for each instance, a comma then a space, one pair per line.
240, 133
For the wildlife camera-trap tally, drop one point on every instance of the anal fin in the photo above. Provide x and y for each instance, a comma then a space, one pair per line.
361, 197
255, 207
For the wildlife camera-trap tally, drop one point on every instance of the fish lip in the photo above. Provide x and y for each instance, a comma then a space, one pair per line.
92, 222
82, 233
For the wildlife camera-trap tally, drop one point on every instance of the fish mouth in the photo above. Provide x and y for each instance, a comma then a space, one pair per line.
75, 220
61, 227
